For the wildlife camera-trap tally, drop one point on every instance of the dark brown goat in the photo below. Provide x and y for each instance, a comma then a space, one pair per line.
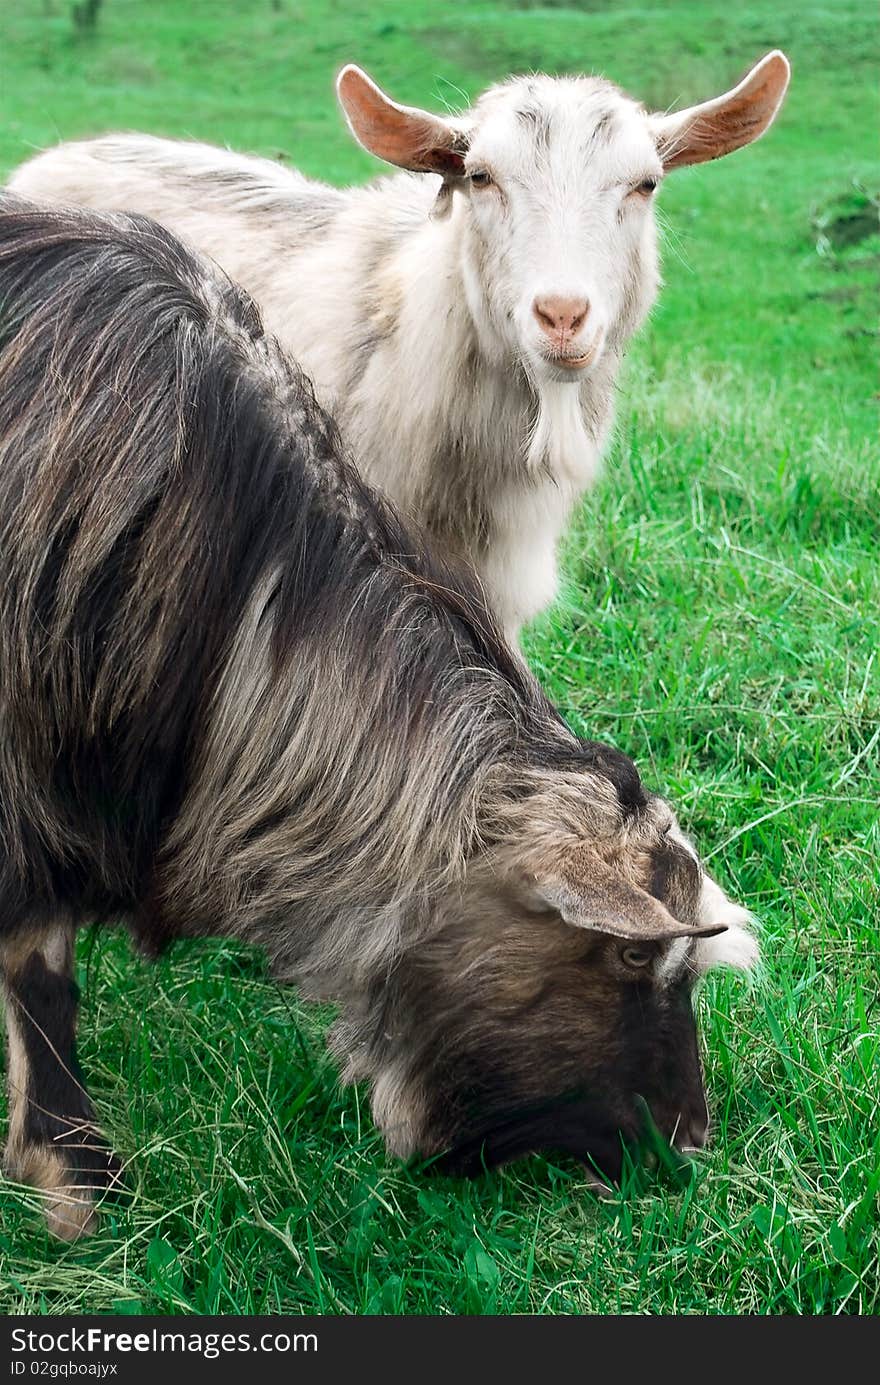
239, 696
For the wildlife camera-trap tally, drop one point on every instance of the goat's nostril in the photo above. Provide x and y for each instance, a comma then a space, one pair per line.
560, 316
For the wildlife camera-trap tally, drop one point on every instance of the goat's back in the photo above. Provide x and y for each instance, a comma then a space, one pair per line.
144, 491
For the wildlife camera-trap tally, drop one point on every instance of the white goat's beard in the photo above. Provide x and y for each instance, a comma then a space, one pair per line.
559, 439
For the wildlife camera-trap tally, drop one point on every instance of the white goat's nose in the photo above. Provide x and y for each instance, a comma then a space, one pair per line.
560, 318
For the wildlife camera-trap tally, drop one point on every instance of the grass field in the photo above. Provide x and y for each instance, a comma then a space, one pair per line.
719, 623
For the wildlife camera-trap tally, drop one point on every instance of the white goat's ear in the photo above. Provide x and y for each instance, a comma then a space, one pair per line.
400, 135
730, 121
594, 896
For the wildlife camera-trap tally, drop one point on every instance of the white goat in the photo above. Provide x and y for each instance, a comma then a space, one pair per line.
466, 330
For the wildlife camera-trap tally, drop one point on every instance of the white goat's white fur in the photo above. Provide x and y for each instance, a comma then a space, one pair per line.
415, 318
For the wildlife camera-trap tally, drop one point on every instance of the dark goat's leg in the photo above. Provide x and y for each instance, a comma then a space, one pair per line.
53, 1143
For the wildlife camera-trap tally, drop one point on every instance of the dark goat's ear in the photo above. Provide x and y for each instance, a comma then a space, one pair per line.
401, 135
728, 122
591, 894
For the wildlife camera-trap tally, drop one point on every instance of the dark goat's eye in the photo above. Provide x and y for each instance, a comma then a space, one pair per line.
636, 958
480, 178
647, 186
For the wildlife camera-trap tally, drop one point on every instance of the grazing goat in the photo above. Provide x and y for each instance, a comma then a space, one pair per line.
466, 328
239, 696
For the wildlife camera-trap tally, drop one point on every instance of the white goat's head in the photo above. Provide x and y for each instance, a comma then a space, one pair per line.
557, 176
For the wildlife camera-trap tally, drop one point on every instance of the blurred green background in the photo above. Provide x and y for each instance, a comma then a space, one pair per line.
719, 622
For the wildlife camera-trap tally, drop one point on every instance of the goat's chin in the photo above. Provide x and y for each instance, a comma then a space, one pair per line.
559, 370
567, 1126
558, 375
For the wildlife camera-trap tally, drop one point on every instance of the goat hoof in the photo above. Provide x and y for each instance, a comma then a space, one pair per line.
73, 1178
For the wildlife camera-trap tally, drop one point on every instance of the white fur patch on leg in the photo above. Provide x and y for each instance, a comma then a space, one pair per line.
69, 1206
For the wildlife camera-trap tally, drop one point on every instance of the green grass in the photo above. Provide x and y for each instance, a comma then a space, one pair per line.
720, 623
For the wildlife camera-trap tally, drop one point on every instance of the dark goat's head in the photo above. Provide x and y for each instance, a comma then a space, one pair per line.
551, 1003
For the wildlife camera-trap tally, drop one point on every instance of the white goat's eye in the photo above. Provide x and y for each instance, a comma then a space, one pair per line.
646, 187
480, 178
636, 958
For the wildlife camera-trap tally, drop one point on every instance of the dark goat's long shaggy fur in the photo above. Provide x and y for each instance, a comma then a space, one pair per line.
238, 695
167, 479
